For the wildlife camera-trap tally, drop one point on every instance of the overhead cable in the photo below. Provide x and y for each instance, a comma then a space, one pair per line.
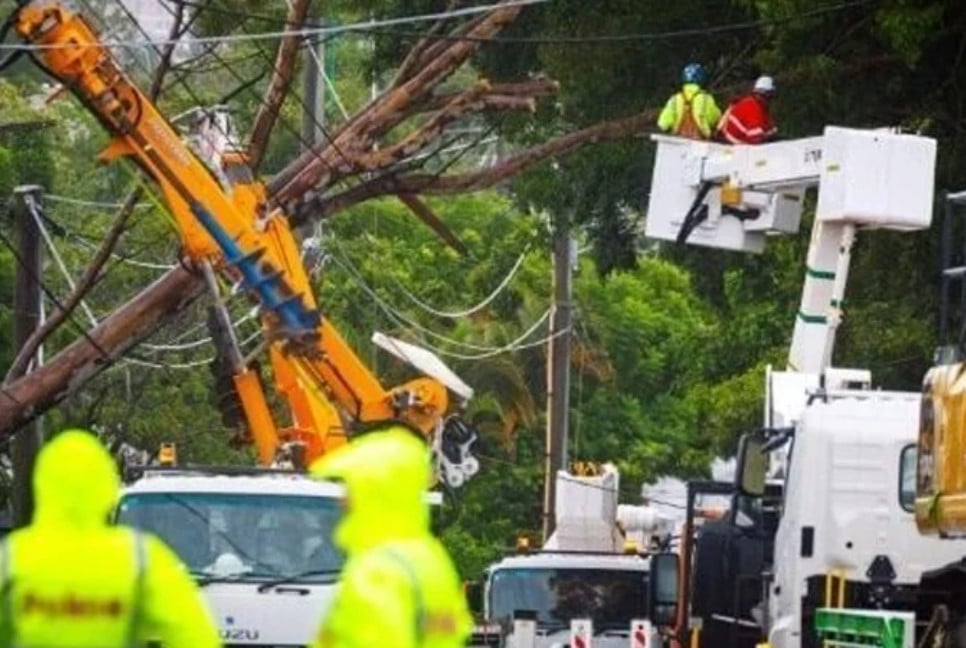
89, 203
628, 37
517, 344
368, 25
473, 309
58, 260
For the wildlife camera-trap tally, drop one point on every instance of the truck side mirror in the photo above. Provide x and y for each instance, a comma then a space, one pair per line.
663, 589
752, 467
474, 596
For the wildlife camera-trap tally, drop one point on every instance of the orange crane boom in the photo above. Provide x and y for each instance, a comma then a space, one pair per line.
231, 230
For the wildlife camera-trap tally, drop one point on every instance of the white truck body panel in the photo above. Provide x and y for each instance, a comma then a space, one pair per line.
289, 615
844, 484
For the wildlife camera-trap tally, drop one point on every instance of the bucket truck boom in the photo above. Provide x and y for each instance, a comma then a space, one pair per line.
846, 525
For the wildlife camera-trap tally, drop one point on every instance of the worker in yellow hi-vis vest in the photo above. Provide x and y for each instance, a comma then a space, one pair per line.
399, 588
70, 580
692, 111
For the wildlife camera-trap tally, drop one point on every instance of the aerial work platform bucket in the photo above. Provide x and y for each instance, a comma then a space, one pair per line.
734, 197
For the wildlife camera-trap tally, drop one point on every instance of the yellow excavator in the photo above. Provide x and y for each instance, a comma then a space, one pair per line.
229, 227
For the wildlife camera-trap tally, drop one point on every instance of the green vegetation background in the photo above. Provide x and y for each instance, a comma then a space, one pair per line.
669, 345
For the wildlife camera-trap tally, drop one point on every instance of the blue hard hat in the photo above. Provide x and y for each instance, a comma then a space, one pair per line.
693, 73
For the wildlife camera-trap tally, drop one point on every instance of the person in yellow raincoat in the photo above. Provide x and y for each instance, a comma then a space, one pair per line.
70, 580
399, 588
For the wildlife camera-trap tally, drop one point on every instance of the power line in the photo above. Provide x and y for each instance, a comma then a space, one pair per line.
517, 344
366, 26
629, 37
55, 198
473, 309
58, 260
247, 86
51, 296
88, 241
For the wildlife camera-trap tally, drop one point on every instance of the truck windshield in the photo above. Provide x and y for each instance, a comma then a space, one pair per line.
610, 597
242, 536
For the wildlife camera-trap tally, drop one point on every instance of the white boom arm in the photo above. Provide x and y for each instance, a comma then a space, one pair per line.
734, 197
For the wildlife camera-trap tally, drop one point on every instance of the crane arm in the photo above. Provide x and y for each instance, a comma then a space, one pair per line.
231, 230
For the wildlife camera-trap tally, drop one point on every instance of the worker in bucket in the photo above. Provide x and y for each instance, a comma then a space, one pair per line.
691, 112
748, 119
399, 588
71, 580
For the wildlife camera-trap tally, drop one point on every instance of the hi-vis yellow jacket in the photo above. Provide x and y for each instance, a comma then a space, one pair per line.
399, 588
704, 112
72, 581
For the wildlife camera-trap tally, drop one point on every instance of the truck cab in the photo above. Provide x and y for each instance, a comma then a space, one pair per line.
258, 542
558, 588
847, 536
589, 581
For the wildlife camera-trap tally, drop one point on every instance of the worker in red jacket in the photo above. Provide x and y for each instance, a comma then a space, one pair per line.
748, 119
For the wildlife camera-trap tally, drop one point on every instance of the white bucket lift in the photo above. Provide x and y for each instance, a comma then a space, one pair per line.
734, 197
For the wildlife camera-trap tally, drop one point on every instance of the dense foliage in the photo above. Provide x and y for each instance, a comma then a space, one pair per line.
670, 345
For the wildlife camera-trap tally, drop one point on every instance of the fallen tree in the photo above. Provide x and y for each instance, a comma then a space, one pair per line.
314, 185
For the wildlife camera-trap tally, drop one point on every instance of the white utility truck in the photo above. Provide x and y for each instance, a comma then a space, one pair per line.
589, 579
258, 542
842, 455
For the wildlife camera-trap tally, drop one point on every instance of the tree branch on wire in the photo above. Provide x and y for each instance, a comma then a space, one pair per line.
278, 87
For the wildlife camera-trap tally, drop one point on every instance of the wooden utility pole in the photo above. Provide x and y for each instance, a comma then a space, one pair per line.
27, 316
558, 368
313, 85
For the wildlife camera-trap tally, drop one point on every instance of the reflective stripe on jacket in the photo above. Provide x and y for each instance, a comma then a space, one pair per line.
72, 609
747, 121
405, 595
399, 587
72, 581
704, 111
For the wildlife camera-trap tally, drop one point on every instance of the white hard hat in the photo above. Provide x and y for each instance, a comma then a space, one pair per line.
765, 84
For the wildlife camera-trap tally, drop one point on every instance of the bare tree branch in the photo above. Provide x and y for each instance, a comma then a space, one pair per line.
415, 55
434, 222
315, 167
391, 184
87, 281
525, 90
278, 87
459, 105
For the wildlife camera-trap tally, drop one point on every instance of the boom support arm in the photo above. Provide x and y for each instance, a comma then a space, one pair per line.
735, 197
231, 230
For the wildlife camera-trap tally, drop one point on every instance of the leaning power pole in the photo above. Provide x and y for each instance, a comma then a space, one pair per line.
27, 316
558, 368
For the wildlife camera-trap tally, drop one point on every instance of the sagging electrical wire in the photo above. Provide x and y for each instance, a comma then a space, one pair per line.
25, 267
518, 344
72, 284
366, 26
460, 314
87, 241
94, 204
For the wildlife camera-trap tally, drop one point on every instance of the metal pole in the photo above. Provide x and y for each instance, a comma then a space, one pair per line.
27, 316
558, 369
313, 88
945, 262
